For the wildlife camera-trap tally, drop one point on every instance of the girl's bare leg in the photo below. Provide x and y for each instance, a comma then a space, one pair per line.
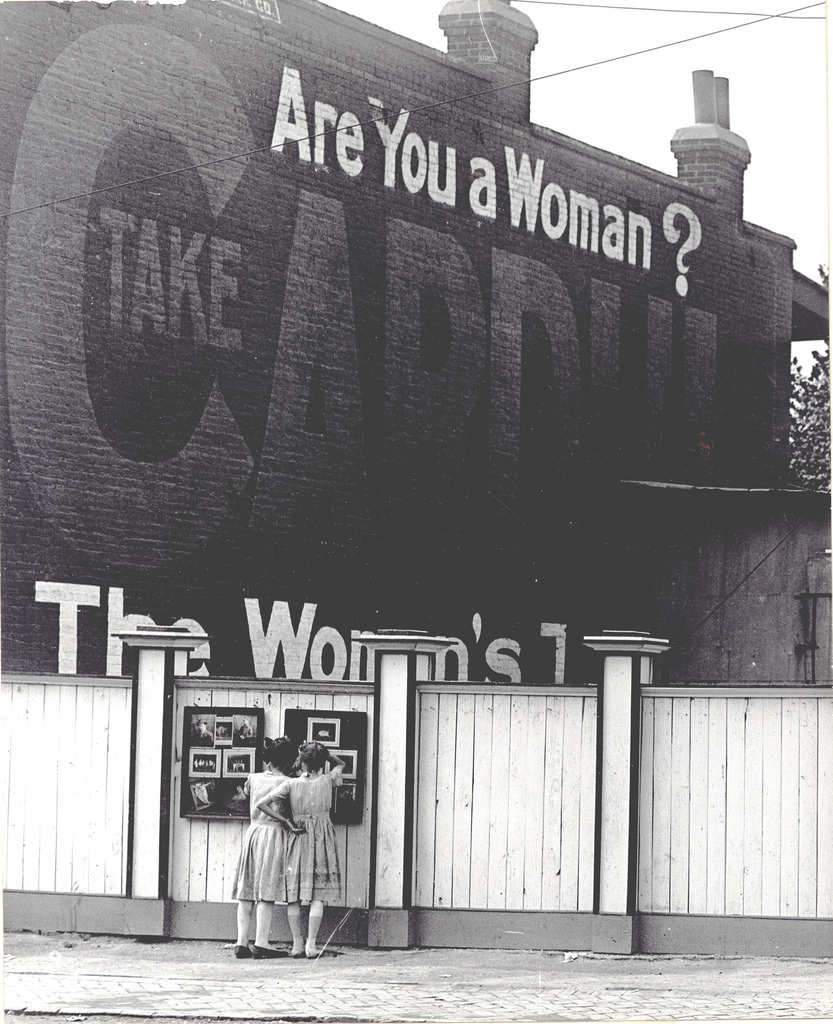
244, 922
316, 912
263, 923
293, 914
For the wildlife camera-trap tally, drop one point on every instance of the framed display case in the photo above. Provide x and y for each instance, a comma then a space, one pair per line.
221, 748
345, 733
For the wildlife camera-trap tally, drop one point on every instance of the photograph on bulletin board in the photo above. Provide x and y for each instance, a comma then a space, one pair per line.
345, 734
221, 748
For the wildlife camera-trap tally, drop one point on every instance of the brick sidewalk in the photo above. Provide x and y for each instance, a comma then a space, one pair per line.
97, 975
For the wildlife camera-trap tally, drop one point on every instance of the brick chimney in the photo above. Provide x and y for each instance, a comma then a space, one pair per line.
709, 155
497, 41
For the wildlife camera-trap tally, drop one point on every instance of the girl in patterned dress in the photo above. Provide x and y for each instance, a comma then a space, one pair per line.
259, 883
313, 872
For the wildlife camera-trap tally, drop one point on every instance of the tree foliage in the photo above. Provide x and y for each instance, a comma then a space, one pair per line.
810, 419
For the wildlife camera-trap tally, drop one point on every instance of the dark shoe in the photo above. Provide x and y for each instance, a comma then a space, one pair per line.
242, 952
267, 953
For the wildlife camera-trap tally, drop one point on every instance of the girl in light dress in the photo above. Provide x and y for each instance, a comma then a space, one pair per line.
313, 872
259, 883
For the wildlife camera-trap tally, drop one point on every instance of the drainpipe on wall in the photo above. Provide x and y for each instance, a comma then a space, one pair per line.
628, 666
496, 41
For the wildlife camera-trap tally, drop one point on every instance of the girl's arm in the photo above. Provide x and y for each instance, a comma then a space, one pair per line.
335, 761
276, 806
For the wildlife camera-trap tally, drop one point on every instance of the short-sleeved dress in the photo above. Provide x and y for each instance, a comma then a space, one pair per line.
260, 870
313, 871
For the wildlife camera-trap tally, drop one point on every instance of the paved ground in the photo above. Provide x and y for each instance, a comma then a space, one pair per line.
118, 978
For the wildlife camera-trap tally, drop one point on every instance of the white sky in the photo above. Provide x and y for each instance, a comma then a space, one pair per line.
777, 86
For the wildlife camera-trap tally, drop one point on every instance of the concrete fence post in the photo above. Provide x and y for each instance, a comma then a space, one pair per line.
151, 746
402, 657
627, 668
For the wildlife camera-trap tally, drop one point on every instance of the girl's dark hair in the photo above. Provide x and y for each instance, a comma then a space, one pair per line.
280, 753
313, 756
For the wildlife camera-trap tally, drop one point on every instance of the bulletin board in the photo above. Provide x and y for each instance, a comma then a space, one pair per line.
345, 733
221, 748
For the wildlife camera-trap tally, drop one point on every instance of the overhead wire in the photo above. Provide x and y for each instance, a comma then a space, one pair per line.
669, 10
478, 94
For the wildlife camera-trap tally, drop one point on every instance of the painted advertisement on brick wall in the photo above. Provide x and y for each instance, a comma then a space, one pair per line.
295, 349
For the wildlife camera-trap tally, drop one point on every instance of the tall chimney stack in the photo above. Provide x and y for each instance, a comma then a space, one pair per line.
709, 155
496, 41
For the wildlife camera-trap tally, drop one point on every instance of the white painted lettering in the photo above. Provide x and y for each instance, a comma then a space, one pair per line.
326, 118
118, 222
280, 634
503, 660
556, 631
184, 284
202, 652
327, 637
69, 597
118, 622
390, 140
613, 236
554, 193
483, 191
584, 221
414, 163
148, 294
225, 267
524, 188
291, 120
447, 196
636, 224
350, 144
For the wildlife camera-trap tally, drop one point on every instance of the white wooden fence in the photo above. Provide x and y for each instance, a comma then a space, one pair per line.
506, 780
736, 797
736, 803
66, 761
205, 852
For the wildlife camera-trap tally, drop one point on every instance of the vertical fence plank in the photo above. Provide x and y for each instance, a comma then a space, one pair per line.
81, 793
21, 750
98, 789
198, 855
38, 771
571, 805
735, 776
500, 806
753, 809
587, 805
518, 808
48, 790
808, 746
444, 835
481, 802
426, 799
661, 848
680, 803
9, 796
789, 808
824, 906
66, 786
533, 844
771, 807
646, 806
699, 796
463, 775
553, 772
716, 838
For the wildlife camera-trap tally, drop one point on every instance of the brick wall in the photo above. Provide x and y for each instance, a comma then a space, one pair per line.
327, 376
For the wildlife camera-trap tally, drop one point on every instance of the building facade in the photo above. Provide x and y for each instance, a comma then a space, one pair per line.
308, 330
